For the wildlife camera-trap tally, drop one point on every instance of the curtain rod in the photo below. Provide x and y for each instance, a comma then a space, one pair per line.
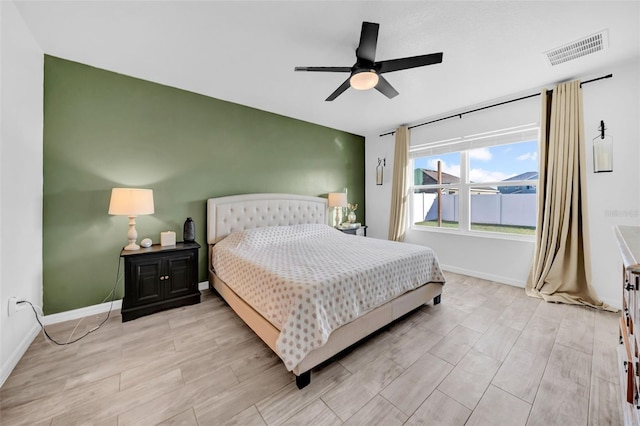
490, 106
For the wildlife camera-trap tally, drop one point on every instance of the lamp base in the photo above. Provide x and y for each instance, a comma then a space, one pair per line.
132, 235
338, 217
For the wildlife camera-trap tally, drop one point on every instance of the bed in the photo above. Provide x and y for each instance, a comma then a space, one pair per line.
308, 290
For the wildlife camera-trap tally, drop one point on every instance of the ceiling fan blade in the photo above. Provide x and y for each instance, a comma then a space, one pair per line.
344, 86
324, 69
368, 41
386, 88
406, 63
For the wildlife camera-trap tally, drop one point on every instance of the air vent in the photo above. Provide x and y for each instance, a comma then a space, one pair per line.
579, 48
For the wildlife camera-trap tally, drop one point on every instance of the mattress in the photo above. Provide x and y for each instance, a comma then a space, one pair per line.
308, 280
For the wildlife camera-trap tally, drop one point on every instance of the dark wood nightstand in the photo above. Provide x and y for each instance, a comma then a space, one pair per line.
158, 278
360, 230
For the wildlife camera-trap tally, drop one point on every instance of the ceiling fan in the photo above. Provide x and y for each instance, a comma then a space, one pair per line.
366, 73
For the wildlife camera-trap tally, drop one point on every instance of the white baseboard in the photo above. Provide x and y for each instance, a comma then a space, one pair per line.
81, 312
94, 309
489, 277
17, 354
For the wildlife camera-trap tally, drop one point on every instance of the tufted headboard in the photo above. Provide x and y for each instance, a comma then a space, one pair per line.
237, 212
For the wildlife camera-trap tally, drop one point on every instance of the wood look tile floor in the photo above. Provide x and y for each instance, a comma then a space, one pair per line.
487, 355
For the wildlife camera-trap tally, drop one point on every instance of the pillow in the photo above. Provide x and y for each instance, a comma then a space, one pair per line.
268, 235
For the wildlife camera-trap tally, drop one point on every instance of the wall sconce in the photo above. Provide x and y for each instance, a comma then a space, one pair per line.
382, 163
602, 151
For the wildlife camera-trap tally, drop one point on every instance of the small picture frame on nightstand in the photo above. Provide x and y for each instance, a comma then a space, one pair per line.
167, 238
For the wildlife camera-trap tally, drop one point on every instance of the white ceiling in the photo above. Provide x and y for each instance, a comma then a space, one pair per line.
245, 52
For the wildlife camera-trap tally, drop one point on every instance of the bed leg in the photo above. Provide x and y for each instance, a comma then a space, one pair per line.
437, 299
303, 379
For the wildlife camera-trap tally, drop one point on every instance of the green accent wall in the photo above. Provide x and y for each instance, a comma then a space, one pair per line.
104, 130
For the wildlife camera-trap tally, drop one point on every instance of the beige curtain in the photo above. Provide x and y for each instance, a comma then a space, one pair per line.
397, 221
562, 260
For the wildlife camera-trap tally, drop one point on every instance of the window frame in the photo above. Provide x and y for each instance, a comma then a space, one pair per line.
464, 187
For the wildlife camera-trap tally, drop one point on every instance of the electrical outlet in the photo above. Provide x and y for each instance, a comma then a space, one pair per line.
14, 306
13, 303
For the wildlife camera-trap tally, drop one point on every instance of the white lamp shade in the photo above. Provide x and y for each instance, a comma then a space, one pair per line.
364, 80
131, 202
337, 199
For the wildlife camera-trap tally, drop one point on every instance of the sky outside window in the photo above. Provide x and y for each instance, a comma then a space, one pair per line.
490, 164
450, 163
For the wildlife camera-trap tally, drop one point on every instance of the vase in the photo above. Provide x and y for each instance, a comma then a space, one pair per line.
189, 231
351, 217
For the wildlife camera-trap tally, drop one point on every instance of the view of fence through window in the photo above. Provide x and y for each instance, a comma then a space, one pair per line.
490, 189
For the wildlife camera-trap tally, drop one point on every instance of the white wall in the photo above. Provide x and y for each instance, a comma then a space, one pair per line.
21, 122
614, 198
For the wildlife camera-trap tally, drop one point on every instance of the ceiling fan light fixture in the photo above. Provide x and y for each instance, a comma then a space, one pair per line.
366, 73
364, 80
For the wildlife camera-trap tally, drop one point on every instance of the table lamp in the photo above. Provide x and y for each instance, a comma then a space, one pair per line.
338, 200
131, 202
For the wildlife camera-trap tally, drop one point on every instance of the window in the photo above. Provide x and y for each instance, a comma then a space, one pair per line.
437, 185
479, 183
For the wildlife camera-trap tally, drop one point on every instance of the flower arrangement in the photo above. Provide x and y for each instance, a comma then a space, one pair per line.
351, 217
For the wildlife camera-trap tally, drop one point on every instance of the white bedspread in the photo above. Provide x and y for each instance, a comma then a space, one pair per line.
308, 280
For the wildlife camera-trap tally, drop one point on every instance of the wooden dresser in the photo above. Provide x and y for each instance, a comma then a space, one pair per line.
628, 239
